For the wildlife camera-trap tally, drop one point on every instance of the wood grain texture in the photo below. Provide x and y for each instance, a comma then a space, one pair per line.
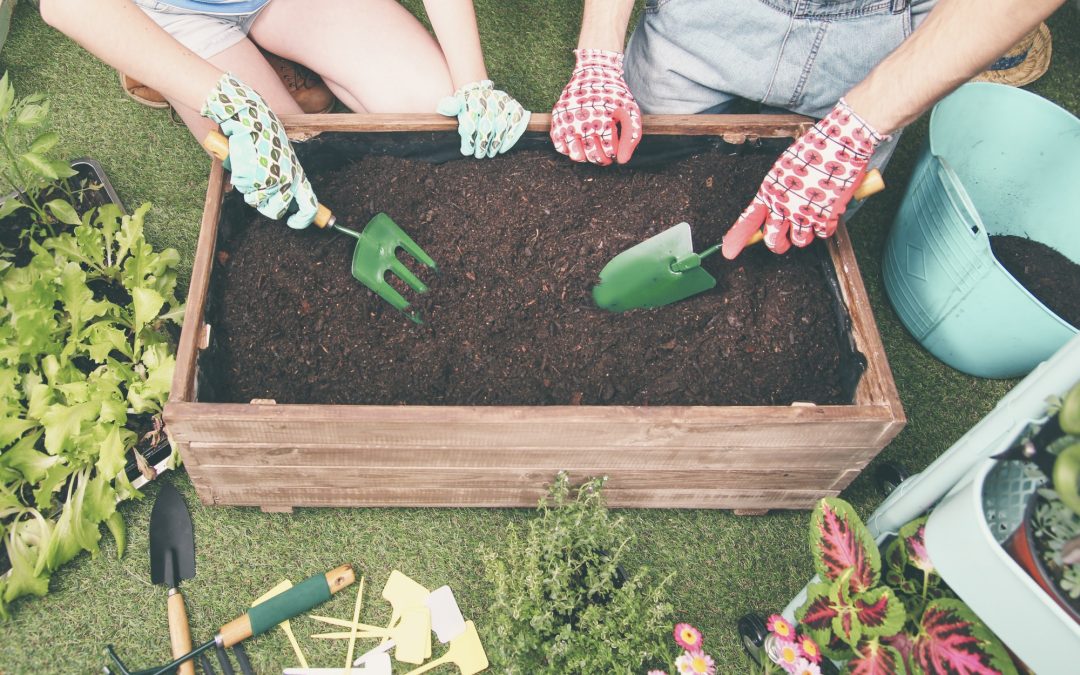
183, 383
736, 128
748, 458
422, 496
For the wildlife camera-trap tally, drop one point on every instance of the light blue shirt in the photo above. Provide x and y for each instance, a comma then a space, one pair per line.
219, 6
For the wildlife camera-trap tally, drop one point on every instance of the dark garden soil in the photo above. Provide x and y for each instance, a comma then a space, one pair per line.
1044, 272
509, 318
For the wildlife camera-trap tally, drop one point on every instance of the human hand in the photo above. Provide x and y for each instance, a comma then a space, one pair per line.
490, 121
596, 118
261, 158
809, 187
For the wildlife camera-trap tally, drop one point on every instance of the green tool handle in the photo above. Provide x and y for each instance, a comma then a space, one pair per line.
217, 144
284, 606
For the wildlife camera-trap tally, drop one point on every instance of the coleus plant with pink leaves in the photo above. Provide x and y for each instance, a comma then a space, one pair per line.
889, 613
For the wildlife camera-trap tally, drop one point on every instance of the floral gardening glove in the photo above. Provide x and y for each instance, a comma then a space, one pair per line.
596, 118
809, 187
263, 165
490, 121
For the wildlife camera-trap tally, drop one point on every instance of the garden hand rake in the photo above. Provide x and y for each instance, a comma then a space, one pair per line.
261, 618
376, 246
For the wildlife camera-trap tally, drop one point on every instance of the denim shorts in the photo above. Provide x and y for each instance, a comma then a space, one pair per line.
701, 56
203, 33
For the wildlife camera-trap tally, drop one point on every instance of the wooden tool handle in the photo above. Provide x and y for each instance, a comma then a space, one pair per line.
872, 183
217, 144
180, 631
299, 599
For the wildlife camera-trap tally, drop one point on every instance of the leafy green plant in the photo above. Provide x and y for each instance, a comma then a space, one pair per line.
562, 603
85, 369
37, 180
891, 615
1056, 527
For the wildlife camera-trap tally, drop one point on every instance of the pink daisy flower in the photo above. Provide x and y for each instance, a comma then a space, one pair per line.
788, 656
805, 667
687, 637
781, 627
656, 672
696, 663
810, 649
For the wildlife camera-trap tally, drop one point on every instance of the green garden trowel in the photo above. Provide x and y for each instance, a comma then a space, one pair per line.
664, 268
376, 246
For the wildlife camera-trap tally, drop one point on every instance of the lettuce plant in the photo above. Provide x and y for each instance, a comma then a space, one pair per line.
36, 180
85, 369
891, 613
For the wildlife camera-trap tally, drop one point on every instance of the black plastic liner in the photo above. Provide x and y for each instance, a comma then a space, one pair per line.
332, 150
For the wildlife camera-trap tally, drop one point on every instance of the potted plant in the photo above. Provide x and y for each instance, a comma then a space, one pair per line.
85, 365
883, 610
562, 603
1047, 542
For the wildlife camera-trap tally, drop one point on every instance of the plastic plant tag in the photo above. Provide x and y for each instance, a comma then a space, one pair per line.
376, 653
402, 593
412, 635
466, 651
446, 618
376, 664
285, 625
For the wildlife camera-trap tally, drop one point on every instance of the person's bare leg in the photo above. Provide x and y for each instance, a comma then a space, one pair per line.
246, 62
373, 54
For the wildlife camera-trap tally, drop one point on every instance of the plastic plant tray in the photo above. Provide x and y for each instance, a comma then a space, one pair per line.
974, 503
964, 537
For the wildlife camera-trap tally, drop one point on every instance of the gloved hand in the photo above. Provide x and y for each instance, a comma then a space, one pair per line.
490, 121
261, 158
596, 118
809, 187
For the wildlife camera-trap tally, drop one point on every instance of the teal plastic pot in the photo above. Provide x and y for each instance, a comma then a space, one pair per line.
998, 161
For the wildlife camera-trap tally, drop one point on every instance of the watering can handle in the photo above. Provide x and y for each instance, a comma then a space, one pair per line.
217, 144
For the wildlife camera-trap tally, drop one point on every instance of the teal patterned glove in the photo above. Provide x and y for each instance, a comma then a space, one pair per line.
490, 121
263, 164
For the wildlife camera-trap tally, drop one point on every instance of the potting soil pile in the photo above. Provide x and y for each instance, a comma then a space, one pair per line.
1046, 273
509, 319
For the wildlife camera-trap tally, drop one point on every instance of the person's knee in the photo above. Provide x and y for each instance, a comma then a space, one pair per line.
53, 11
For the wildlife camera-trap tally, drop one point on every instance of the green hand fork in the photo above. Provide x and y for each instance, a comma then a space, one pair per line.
376, 246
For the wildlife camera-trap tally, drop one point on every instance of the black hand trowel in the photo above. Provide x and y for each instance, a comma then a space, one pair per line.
172, 559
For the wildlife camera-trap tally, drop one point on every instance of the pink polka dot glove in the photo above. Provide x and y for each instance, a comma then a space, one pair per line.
596, 118
809, 187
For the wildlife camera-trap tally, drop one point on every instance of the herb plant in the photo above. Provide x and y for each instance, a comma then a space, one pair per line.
893, 615
34, 179
1055, 525
85, 369
562, 604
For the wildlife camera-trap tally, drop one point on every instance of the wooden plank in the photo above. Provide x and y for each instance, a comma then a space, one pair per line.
304, 456
877, 385
733, 126
498, 477
458, 426
421, 496
183, 383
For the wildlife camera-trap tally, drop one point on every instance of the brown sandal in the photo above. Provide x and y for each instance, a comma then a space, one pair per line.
142, 93
307, 88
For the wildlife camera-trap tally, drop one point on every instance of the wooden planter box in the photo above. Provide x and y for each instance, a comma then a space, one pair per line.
747, 458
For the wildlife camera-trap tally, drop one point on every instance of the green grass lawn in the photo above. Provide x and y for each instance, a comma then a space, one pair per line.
725, 565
